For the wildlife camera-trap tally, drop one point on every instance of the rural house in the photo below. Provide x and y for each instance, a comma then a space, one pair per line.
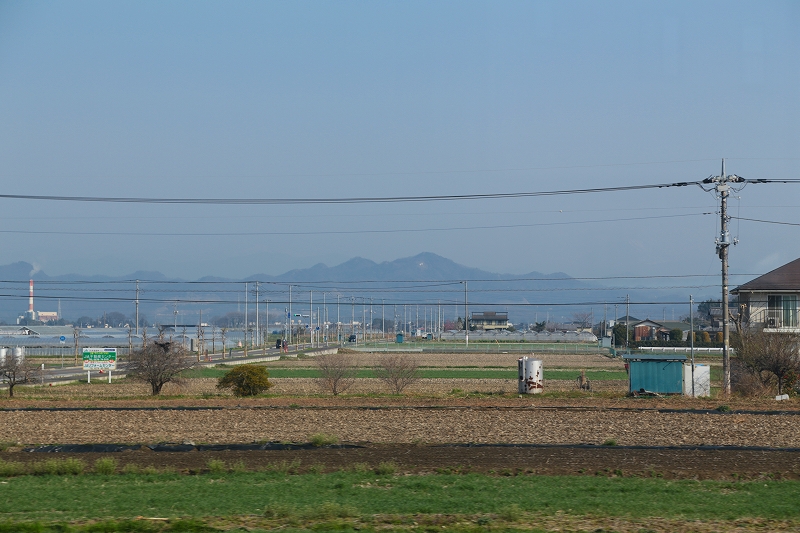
771, 301
489, 320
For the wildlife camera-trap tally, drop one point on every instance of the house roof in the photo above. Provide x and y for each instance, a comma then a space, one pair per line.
785, 278
653, 357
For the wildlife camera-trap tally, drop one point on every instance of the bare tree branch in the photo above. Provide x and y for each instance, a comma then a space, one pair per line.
773, 358
337, 373
17, 371
398, 371
159, 363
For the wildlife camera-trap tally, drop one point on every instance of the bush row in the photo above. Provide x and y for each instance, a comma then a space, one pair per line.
110, 466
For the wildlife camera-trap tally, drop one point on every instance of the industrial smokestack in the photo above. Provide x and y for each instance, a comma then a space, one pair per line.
30, 299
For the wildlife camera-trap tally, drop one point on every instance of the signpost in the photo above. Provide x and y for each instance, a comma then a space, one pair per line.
99, 359
62, 339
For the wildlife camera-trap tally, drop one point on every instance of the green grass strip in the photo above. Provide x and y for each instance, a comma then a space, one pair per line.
84, 497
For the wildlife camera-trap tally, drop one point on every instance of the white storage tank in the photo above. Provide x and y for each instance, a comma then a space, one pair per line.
3, 355
702, 380
531, 377
19, 354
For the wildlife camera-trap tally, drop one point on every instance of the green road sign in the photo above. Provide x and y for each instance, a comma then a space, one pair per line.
99, 358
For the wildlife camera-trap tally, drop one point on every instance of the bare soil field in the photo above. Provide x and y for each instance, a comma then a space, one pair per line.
480, 425
438, 424
722, 464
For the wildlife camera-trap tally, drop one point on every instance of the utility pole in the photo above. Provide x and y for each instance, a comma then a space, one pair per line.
267, 320
691, 336
137, 307
246, 319
721, 184
258, 331
466, 316
290, 317
627, 320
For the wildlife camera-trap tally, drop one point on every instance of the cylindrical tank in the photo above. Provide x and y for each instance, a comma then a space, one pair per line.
531, 377
19, 354
3, 355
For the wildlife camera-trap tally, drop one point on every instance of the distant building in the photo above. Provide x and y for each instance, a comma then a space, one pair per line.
47, 316
489, 320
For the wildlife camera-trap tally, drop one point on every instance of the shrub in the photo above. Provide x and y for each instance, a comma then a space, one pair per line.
58, 467
246, 380
385, 468
323, 439
11, 468
216, 466
105, 466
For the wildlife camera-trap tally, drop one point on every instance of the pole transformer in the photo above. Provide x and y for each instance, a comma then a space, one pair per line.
722, 186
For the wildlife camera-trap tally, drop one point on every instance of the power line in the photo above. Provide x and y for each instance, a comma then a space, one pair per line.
346, 200
767, 221
316, 283
341, 232
368, 199
426, 172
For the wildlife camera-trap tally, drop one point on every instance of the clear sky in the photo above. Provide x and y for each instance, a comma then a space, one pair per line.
316, 99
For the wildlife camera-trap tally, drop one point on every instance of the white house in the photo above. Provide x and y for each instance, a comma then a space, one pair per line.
771, 301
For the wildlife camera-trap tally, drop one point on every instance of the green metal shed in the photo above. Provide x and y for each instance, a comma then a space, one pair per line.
662, 373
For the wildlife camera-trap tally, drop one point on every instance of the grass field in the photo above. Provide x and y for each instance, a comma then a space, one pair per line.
429, 373
367, 498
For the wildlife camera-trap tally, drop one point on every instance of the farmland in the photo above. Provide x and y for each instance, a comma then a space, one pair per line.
461, 425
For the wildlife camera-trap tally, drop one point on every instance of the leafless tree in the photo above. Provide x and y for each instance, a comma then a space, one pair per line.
771, 357
144, 336
161, 362
130, 338
337, 373
213, 338
223, 332
398, 371
17, 371
582, 320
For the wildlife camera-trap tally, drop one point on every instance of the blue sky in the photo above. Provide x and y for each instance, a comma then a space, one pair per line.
316, 99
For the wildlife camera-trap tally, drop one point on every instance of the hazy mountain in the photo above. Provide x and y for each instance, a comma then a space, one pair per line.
526, 297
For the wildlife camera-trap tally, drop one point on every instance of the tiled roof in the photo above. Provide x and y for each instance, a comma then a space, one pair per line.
785, 278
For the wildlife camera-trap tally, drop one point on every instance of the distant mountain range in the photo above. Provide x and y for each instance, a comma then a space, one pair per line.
425, 277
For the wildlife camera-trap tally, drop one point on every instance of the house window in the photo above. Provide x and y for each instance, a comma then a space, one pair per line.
782, 311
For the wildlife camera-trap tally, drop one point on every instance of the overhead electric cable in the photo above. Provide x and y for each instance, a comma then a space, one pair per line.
347, 200
767, 221
343, 232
